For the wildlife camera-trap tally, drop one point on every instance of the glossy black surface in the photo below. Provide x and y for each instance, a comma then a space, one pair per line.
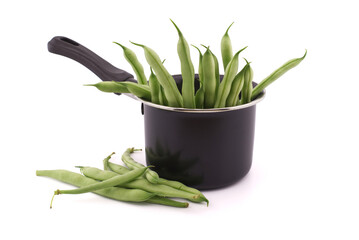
206, 150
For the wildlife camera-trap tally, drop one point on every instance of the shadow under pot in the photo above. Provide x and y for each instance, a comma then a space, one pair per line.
202, 148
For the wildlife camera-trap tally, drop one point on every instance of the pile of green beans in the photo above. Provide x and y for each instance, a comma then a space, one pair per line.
235, 89
131, 183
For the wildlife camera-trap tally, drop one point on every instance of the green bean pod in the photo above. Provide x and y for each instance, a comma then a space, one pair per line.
200, 69
225, 86
163, 98
199, 97
122, 194
187, 70
110, 86
167, 202
135, 64
106, 161
151, 176
115, 181
141, 91
276, 74
155, 87
216, 71
209, 79
216, 68
226, 48
247, 85
174, 184
141, 183
107, 165
236, 88
171, 91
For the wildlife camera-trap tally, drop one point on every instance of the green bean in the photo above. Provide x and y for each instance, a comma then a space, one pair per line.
110, 86
236, 88
226, 49
135, 64
106, 160
180, 186
115, 167
141, 183
200, 70
141, 91
122, 194
276, 74
247, 85
171, 91
163, 98
199, 98
151, 176
187, 70
174, 184
167, 202
216, 71
209, 79
216, 68
115, 181
155, 89
225, 86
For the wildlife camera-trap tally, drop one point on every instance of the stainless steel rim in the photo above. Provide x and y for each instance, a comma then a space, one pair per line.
209, 110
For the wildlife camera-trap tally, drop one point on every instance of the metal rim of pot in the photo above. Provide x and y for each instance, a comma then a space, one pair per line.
196, 110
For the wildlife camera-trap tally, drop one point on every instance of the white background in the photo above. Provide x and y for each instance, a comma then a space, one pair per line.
304, 180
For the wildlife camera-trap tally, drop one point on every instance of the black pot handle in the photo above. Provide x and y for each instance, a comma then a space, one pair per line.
103, 69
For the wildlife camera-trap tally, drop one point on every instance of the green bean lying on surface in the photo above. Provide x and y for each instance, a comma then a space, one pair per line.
118, 180
174, 184
121, 183
122, 194
140, 183
151, 176
117, 193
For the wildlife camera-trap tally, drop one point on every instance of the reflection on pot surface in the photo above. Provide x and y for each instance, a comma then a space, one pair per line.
172, 165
